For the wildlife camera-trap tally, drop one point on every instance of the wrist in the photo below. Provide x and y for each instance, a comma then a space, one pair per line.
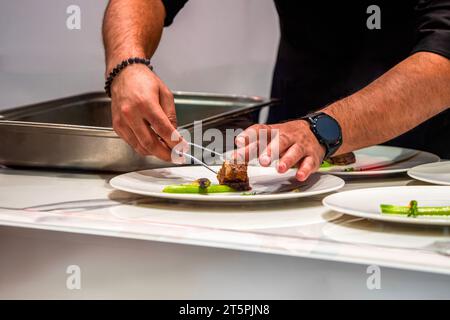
125, 64
307, 127
132, 73
326, 130
112, 62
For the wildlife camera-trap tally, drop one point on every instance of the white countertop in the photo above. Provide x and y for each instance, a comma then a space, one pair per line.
86, 204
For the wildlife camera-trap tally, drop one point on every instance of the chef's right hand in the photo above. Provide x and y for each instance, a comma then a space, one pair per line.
143, 113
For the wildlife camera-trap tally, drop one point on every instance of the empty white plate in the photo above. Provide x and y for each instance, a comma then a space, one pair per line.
266, 182
365, 203
379, 160
437, 173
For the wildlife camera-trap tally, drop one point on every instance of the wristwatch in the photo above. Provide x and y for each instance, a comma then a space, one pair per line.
327, 131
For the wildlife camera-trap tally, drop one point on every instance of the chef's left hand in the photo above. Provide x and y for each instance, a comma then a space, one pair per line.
293, 141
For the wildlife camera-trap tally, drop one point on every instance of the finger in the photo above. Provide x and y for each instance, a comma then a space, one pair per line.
251, 134
241, 140
239, 154
128, 136
290, 158
146, 137
162, 126
149, 140
251, 141
246, 150
307, 166
247, 153
167, 102
279, 143
131, 139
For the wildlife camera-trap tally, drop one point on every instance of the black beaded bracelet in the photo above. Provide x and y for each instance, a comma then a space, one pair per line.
122, 66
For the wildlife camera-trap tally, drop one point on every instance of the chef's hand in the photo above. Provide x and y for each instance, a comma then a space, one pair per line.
143, 112
293, 141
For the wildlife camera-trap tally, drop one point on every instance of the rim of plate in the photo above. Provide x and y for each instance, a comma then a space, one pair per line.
230, 196
386, 171
385, 218
414, 174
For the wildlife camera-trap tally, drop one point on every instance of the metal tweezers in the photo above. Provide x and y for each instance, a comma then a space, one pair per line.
198, 161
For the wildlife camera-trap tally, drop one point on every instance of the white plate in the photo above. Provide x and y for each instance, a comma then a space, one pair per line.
437, 173
272, 185
366, 203
224, 215
377, 233
385, 160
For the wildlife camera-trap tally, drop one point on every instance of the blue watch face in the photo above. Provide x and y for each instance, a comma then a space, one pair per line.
328, 129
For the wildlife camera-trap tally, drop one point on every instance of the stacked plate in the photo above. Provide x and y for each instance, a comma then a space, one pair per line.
366, 203
436, 173
382, 160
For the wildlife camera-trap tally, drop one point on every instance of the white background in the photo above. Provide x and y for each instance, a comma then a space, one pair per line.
213, 46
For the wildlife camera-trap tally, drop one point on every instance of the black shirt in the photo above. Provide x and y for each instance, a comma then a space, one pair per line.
327, 52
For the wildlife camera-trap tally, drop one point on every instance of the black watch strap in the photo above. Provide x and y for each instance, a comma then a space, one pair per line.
327, 131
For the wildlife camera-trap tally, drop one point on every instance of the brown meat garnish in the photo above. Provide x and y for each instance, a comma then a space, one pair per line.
343, 159
234, 175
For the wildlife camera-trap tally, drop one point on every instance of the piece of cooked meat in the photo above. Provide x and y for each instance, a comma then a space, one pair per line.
234, 175
343, 159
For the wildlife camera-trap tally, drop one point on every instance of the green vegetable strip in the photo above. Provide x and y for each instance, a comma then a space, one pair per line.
420, 211
192, 188
326, 164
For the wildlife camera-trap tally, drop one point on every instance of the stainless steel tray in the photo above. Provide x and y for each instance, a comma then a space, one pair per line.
76, 133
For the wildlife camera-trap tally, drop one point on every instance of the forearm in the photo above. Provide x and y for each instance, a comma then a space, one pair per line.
131, 28
142, 106
410, 93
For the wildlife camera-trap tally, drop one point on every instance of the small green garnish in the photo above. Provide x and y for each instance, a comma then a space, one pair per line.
351, 169
195, 188
413, 210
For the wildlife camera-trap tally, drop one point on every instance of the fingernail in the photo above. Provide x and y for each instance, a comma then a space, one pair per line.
181, 147
300, 176
184, 145
281, 167
264, 160
177, 157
